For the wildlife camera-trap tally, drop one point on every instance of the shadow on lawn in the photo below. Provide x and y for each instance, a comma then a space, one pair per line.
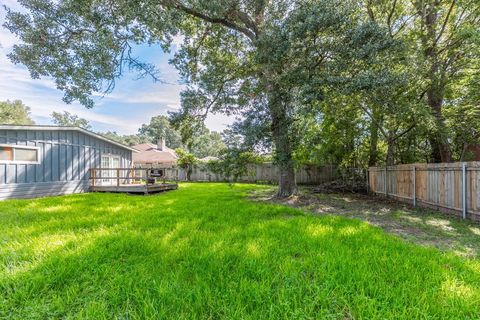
202, 257
418, 225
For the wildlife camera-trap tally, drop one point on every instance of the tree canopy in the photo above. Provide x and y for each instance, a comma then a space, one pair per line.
186, 161
128, 139
160, 127
68, 119
14, 112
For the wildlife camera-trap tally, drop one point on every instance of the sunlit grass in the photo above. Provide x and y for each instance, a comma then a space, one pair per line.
205, 252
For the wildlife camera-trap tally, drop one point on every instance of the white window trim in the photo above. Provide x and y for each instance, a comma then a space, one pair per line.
110, 156
19, 146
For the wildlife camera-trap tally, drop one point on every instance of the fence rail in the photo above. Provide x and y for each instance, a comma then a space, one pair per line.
447, 187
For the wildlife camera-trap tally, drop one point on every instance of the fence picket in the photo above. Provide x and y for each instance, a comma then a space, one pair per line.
442, 187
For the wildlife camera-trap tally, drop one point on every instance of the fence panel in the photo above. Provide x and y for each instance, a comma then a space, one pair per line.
446, 187
265, 172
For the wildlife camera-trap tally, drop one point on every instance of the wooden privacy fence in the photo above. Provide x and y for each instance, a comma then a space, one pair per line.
447, 187
265, 172
269, 173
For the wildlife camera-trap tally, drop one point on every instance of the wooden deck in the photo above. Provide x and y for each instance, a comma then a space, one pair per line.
136, 188
130, 180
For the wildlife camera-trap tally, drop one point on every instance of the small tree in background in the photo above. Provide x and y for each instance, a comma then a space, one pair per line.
201, 142
127, 139
234, 163
186, 161
14, 112
158, 127
68, 119
207, 143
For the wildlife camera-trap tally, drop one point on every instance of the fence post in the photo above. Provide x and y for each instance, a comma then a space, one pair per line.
385, 182
414, 180
464, 190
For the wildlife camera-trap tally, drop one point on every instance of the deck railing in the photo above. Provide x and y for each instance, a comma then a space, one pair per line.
121, 176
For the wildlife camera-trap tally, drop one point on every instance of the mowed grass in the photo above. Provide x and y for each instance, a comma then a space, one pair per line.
206, 252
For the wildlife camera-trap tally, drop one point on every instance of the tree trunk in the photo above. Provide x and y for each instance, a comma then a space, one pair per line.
373, 148
436, 90
390, 152
287, 184
440, 148
464, 151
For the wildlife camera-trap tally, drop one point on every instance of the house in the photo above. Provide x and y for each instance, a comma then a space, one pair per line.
151, 155
40, 161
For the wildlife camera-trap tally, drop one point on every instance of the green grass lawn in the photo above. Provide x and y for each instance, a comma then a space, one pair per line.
206, 252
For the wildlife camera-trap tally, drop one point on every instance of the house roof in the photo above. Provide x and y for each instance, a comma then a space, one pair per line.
64, 128
149, 153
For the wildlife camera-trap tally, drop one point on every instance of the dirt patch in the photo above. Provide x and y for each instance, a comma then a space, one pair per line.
418, 225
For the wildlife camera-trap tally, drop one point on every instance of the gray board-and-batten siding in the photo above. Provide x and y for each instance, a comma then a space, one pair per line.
65, 155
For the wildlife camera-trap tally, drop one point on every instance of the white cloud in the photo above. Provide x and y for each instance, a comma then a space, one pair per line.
7, 40
12, 4
164, 94
43, 98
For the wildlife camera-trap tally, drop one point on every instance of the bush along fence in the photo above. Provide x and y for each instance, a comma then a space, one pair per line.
447, 187
256, 173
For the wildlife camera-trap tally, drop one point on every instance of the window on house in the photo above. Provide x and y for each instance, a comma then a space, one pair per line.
6, 153
26, 155
14, 154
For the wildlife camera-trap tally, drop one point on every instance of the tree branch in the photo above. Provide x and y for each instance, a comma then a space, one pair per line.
227, 23
405, 131
379, 126
442, 30
212, 102
245, 18
370, 11
390, 15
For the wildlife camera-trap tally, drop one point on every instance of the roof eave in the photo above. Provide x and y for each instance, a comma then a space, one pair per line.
65, 128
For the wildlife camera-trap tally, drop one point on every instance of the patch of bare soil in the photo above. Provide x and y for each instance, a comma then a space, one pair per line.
418, 225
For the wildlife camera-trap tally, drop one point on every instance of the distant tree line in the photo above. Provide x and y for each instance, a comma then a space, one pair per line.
204, 143
14, 112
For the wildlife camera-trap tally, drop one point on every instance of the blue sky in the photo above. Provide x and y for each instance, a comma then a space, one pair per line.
132, 103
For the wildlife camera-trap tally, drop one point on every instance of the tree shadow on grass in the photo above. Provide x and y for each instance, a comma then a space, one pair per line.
418, 225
